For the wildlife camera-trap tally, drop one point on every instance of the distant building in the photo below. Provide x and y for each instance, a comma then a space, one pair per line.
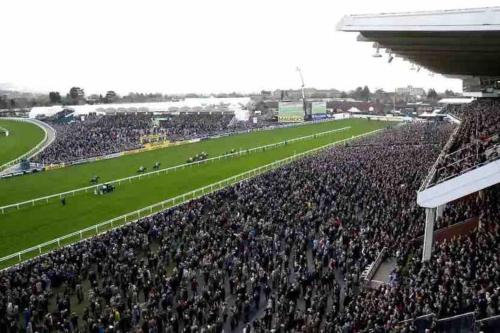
111, 97
77, 95
266, 94
296, 94
410, 91
322, 93
287, 94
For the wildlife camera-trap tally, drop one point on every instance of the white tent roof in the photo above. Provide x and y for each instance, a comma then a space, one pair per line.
455, 100
201, 104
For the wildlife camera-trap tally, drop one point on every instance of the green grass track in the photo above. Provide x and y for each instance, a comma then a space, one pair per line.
22, 137
32, 186
30, 226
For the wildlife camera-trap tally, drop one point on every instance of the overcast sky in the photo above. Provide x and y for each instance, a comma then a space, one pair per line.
178, 46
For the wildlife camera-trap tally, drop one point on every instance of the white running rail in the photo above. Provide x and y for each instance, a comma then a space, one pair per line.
46, 199
32, 151
134, 216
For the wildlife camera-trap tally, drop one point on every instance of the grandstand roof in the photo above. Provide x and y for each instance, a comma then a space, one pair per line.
452, 42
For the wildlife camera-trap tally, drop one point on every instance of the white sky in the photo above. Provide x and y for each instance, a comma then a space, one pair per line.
178, 46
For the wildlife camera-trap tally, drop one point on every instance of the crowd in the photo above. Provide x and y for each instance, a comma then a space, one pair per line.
99, 135
477, 139
459, 210
189, 126
462, 276
281, 252
96, 136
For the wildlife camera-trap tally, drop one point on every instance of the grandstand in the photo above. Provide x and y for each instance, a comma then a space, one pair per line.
395, 229
456, 282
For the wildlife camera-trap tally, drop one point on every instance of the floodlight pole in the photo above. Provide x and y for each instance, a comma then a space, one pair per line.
304, 102
394, 101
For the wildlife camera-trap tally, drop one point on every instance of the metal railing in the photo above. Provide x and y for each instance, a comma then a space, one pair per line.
432, 177
432, 172
375, 266
131, 217
29, 152
32, 202
489, 155
489, 324
465, 322
421, 323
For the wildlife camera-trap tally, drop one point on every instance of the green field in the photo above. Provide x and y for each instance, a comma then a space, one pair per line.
30, 226
22, 137
37, 185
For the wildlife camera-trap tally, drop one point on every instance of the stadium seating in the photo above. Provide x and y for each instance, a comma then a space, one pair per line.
477, 140
104, 135
263, 254
461, 277
190, 126
96, 136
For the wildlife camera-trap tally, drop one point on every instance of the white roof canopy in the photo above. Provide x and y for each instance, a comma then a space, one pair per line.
462, 42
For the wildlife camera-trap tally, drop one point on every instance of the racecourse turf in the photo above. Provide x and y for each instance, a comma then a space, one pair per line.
60, 180
34, 225
22, 137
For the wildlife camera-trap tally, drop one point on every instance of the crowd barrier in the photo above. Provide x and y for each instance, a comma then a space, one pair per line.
462, 323
489, 325
375, 266
131, 217
117, 182
453, 118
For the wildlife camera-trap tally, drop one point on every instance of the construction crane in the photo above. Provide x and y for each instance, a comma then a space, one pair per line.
306, 116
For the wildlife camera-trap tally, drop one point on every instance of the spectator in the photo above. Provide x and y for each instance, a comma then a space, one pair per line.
281, 252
